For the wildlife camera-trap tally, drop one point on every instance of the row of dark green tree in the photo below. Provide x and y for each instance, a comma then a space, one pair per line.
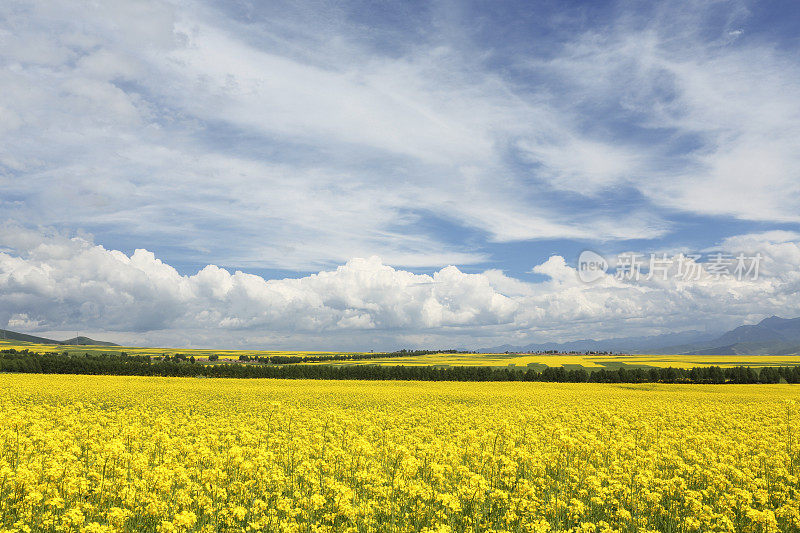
142, 365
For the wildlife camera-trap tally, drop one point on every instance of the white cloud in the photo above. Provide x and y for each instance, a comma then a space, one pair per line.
722, 117
302, 154
583, 165
21, 321
71, 282
62, 284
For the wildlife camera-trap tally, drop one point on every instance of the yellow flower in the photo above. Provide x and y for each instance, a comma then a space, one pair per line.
100, 453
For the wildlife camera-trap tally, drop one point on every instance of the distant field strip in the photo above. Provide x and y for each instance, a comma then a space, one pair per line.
133, 350
585, 361
538, 362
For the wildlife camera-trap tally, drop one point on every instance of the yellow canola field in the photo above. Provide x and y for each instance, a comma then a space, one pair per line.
586, 361
103, 453
472, 359
590, 362
134, 350
690, 361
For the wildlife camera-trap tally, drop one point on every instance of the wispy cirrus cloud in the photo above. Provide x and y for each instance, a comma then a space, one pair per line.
704, 122
127, 128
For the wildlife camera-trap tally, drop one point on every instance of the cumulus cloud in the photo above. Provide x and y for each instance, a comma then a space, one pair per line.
60, 284
72, 282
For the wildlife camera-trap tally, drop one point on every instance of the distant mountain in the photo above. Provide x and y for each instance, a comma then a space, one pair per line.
771, 336
752, 348
618, 344
772, 329
80, 341
75, 341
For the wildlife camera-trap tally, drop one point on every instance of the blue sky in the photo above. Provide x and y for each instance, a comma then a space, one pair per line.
285, 140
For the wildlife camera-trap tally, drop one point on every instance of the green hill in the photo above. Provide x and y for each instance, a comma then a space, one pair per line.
14, 336
75, 341
80, 341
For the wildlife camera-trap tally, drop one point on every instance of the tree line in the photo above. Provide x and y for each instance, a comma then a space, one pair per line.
142, 365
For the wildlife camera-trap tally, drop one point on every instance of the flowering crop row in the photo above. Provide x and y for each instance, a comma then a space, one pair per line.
105, 453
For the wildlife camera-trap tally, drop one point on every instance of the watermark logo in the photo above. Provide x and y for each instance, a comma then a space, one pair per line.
662, 267
591, 266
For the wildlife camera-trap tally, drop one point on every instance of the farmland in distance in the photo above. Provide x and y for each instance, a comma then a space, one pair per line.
441, 360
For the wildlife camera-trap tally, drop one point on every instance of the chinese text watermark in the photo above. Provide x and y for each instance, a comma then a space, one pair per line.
632, 266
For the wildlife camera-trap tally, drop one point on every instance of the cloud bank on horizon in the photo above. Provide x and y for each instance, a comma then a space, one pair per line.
66, 283
344, 176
